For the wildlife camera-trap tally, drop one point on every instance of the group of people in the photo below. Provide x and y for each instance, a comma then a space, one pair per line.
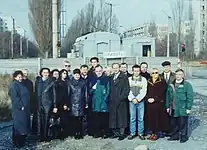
101, 102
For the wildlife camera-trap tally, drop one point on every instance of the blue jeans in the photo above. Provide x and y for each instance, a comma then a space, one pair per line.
136, 116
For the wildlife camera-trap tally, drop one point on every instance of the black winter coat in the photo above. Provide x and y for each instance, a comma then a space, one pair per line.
20, 98
117, 104
45, 93
77, 97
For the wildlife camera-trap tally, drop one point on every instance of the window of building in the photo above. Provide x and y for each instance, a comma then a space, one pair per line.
203, 7
203, 16
203, 24
2, 29
203, 40
203, 32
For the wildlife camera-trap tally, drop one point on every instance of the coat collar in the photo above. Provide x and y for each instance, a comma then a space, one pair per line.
157, 81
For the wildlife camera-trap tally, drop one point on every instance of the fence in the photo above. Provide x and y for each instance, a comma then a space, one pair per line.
34, 65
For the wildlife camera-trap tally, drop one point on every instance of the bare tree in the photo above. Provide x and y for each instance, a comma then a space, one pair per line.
40, 18
89, 19
177, 8
152, 30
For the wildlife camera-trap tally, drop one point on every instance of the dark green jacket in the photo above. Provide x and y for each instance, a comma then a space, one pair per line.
182, 98
100, 96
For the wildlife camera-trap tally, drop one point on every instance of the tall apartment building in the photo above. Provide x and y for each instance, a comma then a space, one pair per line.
199, 8
6, 23
143, 30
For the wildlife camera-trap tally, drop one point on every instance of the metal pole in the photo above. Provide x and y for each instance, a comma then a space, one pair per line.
20, 43
55, 27
110, 17
168, 38
12, 37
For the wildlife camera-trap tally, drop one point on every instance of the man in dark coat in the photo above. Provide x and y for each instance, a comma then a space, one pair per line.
46, 97
84, 77
117, 104
167, 74
33, 103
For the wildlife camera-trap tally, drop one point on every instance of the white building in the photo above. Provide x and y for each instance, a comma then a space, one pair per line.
143, 30
105, 44
200, 18
7, 23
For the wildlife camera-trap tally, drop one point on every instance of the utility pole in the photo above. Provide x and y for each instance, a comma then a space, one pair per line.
168, 34
20, 45
12, 37
111, 11
55, 28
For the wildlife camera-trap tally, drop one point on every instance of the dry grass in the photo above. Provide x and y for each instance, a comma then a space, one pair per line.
5, 103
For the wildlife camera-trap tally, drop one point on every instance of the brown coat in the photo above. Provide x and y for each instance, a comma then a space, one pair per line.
156, 116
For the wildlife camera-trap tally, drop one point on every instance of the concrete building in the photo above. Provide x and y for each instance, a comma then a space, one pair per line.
143, 30
199, 8
109, 45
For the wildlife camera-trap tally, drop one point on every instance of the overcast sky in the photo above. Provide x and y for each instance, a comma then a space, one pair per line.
130, 13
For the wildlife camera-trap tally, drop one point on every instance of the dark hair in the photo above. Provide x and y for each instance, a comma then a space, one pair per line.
124, 64
178, 70
115, 64
16, 73
76, 71
135, 66
84, 66
41, 70
61, 71
94, 58
54, 70
144, 63
99, 66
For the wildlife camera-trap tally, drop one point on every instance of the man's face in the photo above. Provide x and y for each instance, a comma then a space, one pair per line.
144, 68
67, 67
84, 71
55, 74
167, 68
25, 73
76, 76
98, 71
115, 68
179, 75
136, 72
94, 63
45, 73
123, 68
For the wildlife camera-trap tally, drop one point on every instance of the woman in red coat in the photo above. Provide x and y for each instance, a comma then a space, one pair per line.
156, 115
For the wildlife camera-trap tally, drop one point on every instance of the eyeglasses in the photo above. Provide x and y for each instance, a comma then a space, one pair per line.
67, 65
154, 72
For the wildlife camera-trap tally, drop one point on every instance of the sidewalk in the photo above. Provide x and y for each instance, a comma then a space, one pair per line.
199, 85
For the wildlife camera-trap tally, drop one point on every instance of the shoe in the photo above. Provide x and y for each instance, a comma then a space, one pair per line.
150, 137
130, 137
114, 136
173, 138
154, 137
96, 136
141, 137
183, 140
121, 137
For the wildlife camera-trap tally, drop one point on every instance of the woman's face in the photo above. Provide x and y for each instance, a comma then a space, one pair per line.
45, 73
18, 78
155, 73
76, 76
64, 75
55, 74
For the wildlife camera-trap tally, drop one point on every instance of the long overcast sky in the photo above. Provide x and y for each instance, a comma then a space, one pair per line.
130, 13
